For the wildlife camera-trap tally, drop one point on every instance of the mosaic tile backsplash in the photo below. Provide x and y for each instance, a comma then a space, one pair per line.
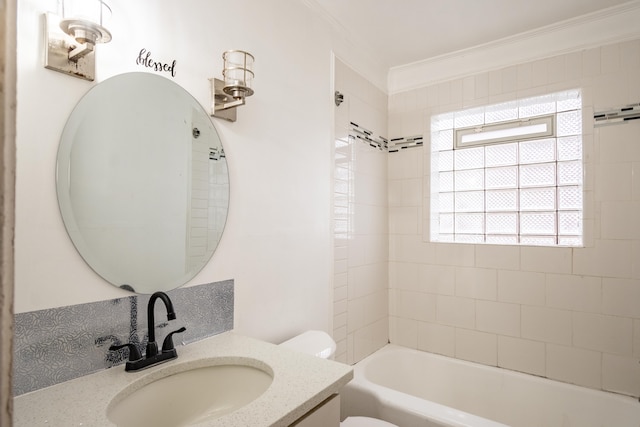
60, 344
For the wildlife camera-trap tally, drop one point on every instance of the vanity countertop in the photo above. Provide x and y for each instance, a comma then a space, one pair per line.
300, 383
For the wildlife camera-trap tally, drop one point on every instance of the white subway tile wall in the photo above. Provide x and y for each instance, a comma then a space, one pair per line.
361, 219
570, 314
521, 355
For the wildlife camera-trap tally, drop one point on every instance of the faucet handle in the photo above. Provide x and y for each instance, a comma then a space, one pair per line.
134, 353
167, 344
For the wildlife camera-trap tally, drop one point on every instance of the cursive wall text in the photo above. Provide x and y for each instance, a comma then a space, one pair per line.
144, 58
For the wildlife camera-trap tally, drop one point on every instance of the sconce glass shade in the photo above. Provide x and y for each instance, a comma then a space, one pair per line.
85, 20
238, 73
71, 36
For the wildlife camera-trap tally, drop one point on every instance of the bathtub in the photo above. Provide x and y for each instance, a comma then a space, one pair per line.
412, 388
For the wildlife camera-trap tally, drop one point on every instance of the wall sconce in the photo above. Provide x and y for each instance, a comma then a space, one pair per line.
228, 94
70, 40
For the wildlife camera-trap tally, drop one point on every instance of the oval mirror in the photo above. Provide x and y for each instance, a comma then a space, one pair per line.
142, 182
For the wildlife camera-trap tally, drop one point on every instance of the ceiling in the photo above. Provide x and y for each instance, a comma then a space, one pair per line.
406, 31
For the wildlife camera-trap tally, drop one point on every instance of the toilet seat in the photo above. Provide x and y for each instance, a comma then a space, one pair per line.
365, 422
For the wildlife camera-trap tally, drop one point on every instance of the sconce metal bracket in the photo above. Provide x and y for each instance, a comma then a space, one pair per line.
223, 106
57, 47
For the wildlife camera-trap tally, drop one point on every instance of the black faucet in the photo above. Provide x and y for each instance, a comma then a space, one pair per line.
152, 346
152, 357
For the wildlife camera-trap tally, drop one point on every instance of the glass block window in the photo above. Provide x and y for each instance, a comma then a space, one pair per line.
509, 173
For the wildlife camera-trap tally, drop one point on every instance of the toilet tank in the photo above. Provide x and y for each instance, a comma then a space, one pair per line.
316, 343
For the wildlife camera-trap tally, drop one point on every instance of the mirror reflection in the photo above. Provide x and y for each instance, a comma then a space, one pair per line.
142, 182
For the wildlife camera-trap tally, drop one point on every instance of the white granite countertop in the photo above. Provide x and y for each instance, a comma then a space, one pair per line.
300, 382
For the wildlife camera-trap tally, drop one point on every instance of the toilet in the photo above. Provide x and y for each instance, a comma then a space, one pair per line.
320, 344
316, 343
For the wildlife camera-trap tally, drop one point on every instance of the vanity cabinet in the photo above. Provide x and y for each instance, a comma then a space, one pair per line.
326, 414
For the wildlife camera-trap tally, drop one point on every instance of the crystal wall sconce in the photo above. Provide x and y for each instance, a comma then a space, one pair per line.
230, 93
70, 39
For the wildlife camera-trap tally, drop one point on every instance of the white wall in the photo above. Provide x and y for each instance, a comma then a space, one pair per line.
360, 309
571, 314
277, 242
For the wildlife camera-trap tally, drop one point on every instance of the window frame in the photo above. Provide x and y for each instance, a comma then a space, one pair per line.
567, 214
549, 121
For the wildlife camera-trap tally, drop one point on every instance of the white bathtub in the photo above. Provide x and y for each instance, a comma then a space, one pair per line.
412, 388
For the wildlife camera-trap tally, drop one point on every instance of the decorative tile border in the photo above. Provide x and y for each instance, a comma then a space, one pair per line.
391, 146
398, 144
366, 136
60, 344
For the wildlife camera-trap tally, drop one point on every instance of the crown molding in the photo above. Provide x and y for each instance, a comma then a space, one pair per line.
611, 25
351, 49
322, 12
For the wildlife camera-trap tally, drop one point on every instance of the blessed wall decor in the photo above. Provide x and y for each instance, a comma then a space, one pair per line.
144, 59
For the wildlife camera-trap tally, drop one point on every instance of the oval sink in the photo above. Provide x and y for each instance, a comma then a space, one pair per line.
192, 395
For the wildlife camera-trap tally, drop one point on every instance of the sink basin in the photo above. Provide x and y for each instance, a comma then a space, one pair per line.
189, 394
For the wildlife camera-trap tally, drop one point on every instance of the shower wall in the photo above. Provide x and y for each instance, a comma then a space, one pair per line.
360, 324
570, 314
